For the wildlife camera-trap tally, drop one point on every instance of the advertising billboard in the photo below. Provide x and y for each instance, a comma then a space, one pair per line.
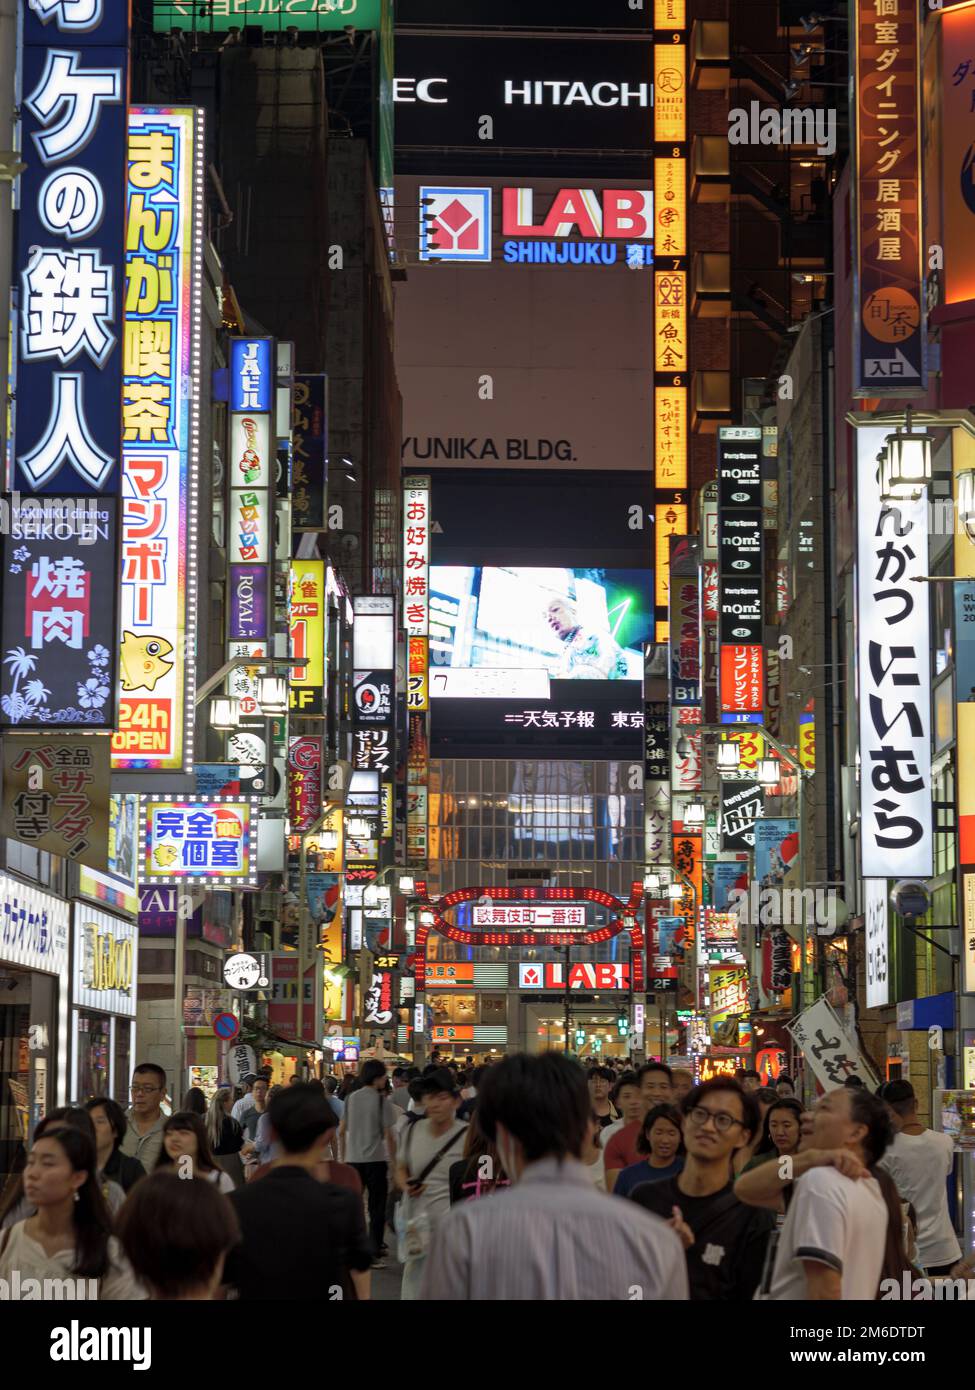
574, 624
209, 840
160, 457
307, 636
217, 16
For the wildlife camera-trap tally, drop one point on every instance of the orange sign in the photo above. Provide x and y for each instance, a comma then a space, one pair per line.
669, 14
957, 88
670, 437
670, 207
449, 974
452, 1032
670, 321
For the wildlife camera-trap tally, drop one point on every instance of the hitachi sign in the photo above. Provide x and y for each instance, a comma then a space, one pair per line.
568, 93
623, 214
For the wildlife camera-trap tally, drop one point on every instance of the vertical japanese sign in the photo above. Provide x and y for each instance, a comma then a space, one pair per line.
309, 453
877, 941
740, 569
59, 624
308, 636
69, 264
894, 672
889, 320
671, 323
416, 621
831, 1054
160, 431
250, 523
55, 796
417, 690
305, 759
685, 664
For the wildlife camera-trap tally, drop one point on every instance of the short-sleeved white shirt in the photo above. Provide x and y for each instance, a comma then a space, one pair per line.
838, 1222
919, 1165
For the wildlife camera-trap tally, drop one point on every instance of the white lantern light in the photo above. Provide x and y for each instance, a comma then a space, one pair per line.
651, 882
675, 891
694, 814
905, 465
273, 694
768, 772
729, 756
966, 502
407, 884
225, 712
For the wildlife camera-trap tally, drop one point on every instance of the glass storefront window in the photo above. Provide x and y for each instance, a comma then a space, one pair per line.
123, 1060
93, 1040
15, 997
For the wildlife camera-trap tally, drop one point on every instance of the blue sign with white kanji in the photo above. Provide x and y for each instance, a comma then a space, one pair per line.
251, 374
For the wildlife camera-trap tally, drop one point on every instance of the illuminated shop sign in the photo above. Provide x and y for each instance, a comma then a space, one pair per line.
312, 16
740, 566
583, 975
308, 636
33, 927
416, 557
69, 267
207, 840
455, 224
889, 322
105, 949
541, 915
160, 456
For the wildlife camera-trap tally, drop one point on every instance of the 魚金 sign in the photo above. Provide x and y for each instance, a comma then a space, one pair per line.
56, 797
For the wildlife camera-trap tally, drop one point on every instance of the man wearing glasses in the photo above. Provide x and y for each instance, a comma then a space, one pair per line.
725, 1241
144, 1135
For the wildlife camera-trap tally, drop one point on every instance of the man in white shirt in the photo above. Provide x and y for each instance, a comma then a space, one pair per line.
920, 1160
247, 1101
833, 1241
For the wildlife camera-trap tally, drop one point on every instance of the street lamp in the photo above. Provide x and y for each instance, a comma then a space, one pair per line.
695, 813
966, 502
651, 882
675, 891
769, 772
407, 884
273, 694
225, 712
729, 756
905, 464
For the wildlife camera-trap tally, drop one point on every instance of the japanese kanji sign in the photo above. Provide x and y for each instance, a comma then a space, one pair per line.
206, 840
893, 657
160, 440
308, 635
889, 318
877, 940
69, 263
417, 685
742, 656
309, 452
55, 796
416, 556
378, 999
59, 629
304, 781
827, 1048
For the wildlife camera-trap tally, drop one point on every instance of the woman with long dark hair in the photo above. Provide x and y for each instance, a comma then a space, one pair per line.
479, 1171
16, 1207
781, 1132
69, 1235
177, 1236
195, 1101
186, 1146
110, 1124
225, 1135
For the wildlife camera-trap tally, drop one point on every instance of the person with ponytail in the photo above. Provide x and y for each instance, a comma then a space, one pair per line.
69, 1236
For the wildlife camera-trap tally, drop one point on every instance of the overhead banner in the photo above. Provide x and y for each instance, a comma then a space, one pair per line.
59, 625
829, 1052
56, 798
69, 264
894, 668
160, 458
889, 319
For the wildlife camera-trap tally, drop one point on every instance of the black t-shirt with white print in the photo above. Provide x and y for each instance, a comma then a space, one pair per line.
726, 1260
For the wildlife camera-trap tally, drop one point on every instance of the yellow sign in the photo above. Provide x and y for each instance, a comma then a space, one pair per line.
669, 93
331, 945
670, 321
417, 685
669, 14
670, 438
108, 960
671, 520
751, 747
386, 811
670, 207
308, 636
807, 740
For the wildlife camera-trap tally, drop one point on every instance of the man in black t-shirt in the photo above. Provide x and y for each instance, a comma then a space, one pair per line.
725, 1241
301, 1238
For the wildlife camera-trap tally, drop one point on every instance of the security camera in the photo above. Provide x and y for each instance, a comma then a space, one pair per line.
909, 899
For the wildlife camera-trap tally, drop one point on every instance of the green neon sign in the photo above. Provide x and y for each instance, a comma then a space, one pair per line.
310, 16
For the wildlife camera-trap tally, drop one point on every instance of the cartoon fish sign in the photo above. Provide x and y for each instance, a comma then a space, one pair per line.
144, 661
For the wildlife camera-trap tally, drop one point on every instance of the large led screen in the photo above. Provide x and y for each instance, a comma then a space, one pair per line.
573, 624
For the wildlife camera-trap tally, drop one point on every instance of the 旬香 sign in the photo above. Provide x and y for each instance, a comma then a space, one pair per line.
69, 263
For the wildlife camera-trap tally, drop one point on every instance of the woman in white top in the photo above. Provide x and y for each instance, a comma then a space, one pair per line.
69, 1236
187, 1148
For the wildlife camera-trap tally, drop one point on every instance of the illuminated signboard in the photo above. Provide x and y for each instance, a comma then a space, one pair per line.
877, 941
417, 690
889, 321
59, 624
309, 452
742, 679
308, 636
217, 16
956, 88
305, 789
207, 840
894, 666
729, 1000
541, 915
583, 975
670, 321
55, 796
160, 457
669, 93
105, 951
69, 264
670, 482
740, 567
416, 556
449, 974
669, 176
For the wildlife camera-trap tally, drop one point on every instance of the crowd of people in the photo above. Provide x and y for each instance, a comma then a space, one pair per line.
534, 1178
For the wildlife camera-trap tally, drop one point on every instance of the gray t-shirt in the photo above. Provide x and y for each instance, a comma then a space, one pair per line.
418, 1146
368, 1115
